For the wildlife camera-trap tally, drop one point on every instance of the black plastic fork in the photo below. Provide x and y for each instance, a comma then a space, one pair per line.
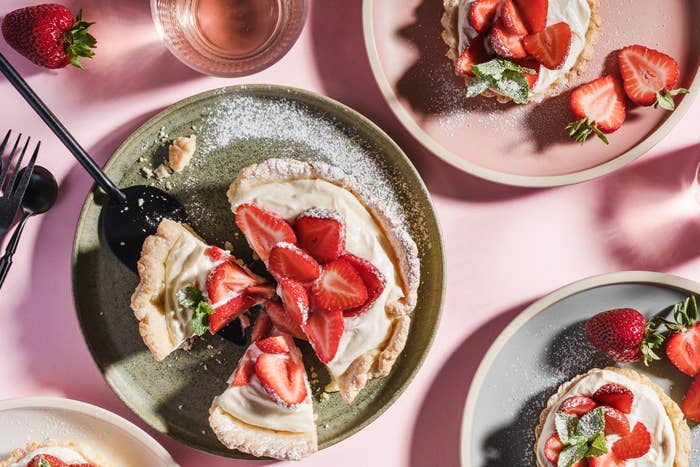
12, 189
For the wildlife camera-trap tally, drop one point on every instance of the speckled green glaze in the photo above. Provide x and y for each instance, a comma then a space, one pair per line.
174, 396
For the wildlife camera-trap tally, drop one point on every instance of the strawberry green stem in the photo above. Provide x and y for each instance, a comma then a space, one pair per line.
581, 129
78, 42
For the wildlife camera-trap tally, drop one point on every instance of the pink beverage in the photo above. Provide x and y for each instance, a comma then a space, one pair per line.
239, 28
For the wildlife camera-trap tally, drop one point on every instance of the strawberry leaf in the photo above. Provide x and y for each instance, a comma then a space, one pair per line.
664, 98
78, 42
581, 129
44, 463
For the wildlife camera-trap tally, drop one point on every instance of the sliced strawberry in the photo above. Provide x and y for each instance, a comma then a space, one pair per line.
324, 329
482, 13
295, 299
340, 287
321, 233
261, 292
534, 13
372, 277
683, 349
474, 54
649, 76
244, 371
274, 344
600, 108
551, 46
226, 279
691, 402
282, 321
261, 327
215, 253
512, 20
532, 64
289, 261
552, 447
263, 229
229, 311
606, 460
635, 444
577, 405
505, 43
282, 377
616, 422
51, 460
616, 396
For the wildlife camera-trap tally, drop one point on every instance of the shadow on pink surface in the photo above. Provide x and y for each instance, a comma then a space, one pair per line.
436, 436
346, 76
650, 213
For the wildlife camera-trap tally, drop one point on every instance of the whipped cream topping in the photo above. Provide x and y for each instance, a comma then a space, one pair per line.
646, 408
364, 238
466, 32
66, 454
253, 405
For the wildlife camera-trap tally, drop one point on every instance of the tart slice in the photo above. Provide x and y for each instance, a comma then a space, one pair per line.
188, 287
612, 417
52, 453
267, 409
353, 298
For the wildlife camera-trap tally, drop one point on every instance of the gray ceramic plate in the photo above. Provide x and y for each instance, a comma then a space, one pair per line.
238, 126
545, 346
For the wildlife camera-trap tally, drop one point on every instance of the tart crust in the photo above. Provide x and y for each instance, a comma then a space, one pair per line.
680, 426
375, 363
450, 35
19, 453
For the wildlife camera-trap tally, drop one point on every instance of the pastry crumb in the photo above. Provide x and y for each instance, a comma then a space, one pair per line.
146, 172
163, 172
181, 151
140, 202
228, 245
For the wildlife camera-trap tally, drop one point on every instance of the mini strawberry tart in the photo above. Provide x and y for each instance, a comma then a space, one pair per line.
188, 287
267, 409
52, 453
347, 271
611, 417
520, 50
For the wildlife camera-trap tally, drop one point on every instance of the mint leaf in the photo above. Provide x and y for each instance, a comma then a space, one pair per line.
591, 424
597, 446
503, 76
189, 297
44, 463
200, 318
566, 426
571, 455
478, 85
514, 85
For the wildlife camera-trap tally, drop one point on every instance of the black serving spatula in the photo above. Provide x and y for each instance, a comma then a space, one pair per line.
132, 213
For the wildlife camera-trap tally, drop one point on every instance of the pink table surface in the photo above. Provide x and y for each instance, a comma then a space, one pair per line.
505, 246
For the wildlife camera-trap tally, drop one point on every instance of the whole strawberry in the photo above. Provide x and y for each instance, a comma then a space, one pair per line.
48, 35
623, 335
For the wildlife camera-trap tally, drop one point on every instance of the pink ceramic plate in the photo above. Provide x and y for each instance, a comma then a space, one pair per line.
523, 145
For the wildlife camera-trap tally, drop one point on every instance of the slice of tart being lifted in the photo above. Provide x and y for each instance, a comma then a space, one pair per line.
347, 270
188, 287
267, 408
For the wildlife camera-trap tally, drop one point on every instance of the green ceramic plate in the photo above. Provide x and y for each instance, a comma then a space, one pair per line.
238, 126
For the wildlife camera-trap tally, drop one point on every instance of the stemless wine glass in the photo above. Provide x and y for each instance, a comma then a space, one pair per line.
229, 37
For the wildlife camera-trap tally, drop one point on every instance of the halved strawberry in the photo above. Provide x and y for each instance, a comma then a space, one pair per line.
340, 287
616, 396
474, 54
244, 371
532, 64
616, 422
372, 277
324, 329
691, 402
606, 460
295, 299
215, 253
683, 349
282, 321
290, 261
321, 233
577, 405
635, 444
552, 447
261, 292
505, 43
263, 229
482, 13
510, 16
534, 13
261, 327
229, 311
600, 108
274, 344
282, 377
226, 279
551, 46
649, 76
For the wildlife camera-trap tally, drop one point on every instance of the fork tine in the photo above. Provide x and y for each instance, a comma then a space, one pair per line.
8, 165
13, 177
2, 146
23, 183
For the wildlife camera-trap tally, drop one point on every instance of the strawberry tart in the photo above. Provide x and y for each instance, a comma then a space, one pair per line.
611, 417
52, 453
520, 50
